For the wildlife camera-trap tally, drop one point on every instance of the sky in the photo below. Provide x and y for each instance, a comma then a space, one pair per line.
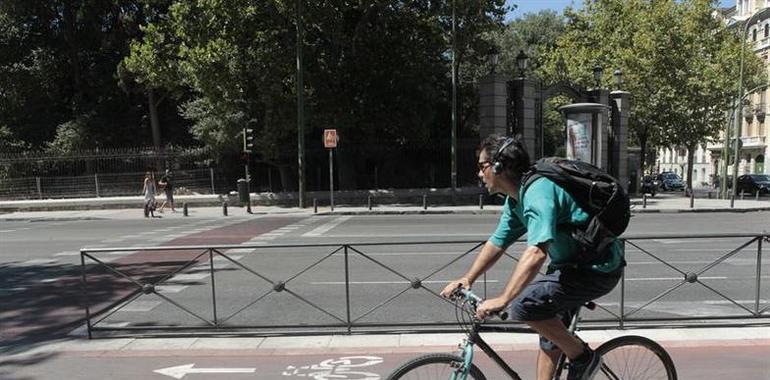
533, 6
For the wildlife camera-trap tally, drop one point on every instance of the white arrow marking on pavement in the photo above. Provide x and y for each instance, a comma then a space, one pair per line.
179, 372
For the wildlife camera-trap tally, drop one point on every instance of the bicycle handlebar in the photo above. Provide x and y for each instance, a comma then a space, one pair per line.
474, 301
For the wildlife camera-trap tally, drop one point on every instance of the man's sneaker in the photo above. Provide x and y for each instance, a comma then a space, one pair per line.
586, 366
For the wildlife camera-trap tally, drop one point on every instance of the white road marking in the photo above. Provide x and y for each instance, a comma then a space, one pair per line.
320, 230
384, 282
181, 371
166, 289
140, 306
39, 262
189, 277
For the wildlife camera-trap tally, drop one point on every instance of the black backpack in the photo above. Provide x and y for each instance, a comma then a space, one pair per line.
597, 193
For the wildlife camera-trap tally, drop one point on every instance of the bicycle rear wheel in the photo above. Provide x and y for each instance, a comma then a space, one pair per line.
635, 358
433, 367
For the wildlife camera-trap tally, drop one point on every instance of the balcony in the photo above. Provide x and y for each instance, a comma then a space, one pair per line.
753, 141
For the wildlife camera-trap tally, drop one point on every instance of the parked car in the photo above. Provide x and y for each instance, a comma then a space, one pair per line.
669, 181
751, 183
649, 185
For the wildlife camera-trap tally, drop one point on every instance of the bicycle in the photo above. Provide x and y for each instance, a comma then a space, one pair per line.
629, 357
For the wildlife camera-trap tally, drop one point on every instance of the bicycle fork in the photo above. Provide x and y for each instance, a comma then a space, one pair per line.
460, 370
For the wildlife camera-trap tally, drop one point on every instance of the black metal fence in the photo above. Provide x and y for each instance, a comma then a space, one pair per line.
258, 289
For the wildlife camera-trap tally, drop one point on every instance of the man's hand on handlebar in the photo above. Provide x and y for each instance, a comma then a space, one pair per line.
491, 307
454, 285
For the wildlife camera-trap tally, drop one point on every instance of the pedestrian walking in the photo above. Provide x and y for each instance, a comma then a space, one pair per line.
148, 190
168, 188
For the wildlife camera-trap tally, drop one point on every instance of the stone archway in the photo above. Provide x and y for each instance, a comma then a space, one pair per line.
516, 106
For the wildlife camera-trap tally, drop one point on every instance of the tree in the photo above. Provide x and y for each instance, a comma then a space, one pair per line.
377, 71
535, 34
678, 62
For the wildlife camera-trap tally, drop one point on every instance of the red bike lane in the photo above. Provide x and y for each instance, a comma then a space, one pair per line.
43, 309
693, 360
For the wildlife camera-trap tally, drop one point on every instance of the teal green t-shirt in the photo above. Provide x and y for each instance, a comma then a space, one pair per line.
544, 214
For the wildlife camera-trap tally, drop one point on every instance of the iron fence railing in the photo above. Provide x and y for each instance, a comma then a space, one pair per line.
262, 289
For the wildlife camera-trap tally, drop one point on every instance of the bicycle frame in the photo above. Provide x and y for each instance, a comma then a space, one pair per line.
475, 339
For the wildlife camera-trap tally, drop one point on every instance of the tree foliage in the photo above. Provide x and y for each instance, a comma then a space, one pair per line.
677, 60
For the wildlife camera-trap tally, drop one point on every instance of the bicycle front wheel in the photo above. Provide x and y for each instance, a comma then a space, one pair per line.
433, 367
635, 358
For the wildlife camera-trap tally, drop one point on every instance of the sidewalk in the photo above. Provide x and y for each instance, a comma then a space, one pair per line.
200, 206
390, 343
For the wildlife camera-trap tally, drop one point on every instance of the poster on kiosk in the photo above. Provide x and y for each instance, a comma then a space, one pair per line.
579, 132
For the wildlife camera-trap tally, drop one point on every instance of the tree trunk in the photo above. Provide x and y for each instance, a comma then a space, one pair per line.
690, 156
154, 123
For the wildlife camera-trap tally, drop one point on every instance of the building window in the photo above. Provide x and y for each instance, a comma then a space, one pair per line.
767, 30
754, 35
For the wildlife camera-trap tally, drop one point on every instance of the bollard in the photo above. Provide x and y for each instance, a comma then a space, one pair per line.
756, 196
224, 208
644, 200
732, 200
692, 199
742, 193
315, 206
184, 209
481, 201
424, 202
369, 202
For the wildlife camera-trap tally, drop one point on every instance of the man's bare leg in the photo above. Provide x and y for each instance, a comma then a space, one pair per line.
555, 331
546, 363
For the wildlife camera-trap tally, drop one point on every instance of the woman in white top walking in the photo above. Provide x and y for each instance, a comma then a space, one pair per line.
149, 195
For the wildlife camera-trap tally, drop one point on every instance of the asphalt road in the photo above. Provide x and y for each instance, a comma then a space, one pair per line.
40, 270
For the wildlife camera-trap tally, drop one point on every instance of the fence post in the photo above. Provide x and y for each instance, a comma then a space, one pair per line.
692, 199
184, 209
211, 174
369, 202
315, 206
481, 201
424, 201
39, 190
96, 184
224, 208
756, 197
644, 200
742, 194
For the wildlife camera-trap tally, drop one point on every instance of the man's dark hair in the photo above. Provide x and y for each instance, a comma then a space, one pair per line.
508, 156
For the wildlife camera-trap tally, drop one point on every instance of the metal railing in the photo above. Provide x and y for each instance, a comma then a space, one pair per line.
256, 289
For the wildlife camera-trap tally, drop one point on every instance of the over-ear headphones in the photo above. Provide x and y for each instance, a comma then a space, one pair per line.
497, 164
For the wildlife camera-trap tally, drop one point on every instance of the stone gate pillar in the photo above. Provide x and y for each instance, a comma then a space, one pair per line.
525, 98
493, 99
621, 109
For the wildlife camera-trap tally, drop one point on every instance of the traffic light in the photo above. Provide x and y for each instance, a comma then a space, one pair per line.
248, 139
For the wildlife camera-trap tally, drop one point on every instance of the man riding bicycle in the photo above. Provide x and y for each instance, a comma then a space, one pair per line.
546, 213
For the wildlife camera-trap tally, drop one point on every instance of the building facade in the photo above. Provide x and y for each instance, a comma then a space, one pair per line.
754, 128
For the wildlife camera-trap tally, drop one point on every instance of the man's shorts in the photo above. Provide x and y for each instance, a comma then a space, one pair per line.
559, 293
170, 196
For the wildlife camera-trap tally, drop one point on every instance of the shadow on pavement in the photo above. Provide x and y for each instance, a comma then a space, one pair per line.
43, 303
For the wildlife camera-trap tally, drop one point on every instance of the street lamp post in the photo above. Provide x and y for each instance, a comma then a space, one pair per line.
300, 109
521, 63
598, 75
618, 79
454, 106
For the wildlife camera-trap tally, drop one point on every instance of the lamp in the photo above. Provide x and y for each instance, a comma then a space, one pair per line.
494, 56
618, 78
598, 75
521, 63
